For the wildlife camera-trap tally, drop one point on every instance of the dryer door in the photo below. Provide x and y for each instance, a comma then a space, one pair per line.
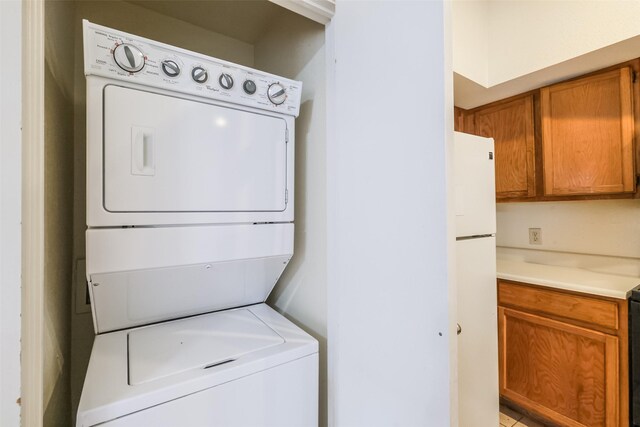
167, 154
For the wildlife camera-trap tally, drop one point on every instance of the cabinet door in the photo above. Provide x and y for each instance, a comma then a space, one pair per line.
587, 135
564, 372
510, 124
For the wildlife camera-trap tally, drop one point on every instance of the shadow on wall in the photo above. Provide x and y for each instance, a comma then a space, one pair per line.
294, 47
293, 280
301, 191
58, 188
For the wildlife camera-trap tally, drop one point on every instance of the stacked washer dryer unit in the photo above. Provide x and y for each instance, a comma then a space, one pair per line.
190, 224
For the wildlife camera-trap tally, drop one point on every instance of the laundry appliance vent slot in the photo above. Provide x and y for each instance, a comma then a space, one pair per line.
219, 363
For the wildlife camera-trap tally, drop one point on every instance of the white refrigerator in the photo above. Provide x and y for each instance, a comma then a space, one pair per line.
475, 208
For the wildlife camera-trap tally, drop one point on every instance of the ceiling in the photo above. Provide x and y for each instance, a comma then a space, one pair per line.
244, 20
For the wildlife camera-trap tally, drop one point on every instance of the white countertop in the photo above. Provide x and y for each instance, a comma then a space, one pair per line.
570, 279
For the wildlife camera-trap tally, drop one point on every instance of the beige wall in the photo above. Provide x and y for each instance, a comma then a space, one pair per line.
58, 210
295, 48
599, 227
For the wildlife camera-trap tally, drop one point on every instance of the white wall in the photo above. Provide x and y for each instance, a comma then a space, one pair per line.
506, 47
10, 196
608, 228
390, 106
519, 37
529, 35
295, 48
470, 38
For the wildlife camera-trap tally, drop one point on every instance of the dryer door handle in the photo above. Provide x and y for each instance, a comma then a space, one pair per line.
143, 151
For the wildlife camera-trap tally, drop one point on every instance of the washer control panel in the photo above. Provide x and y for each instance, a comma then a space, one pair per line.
121, 56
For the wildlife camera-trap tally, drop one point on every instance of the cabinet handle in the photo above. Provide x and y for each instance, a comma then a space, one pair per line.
459, 328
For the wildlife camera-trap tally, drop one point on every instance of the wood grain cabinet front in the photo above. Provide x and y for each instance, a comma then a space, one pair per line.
587, 135
567, 366
573, 140
510, 124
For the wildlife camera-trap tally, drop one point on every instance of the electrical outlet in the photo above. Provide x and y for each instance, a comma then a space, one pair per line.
535, 236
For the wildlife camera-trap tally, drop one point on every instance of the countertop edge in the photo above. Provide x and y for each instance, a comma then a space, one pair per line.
589, 290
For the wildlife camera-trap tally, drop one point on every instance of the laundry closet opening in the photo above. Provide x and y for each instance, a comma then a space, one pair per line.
257, 34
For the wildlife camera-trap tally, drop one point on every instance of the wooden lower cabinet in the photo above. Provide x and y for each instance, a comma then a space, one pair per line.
559, 367
565, 372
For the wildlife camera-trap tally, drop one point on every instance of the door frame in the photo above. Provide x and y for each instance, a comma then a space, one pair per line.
32, 356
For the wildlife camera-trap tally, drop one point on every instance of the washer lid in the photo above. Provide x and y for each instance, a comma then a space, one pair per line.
159, 351
139, 276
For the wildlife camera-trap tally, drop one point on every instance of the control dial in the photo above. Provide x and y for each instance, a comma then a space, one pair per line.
128, 57
276, 93
199, 74
249, 87
170, 68
226, 81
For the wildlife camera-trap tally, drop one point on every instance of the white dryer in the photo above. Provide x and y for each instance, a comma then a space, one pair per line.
190, 224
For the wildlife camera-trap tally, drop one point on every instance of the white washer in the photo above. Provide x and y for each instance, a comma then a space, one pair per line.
190, 224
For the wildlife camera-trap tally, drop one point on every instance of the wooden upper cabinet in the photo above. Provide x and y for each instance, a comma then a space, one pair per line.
458, 119
587, 135
463, 120
510, 124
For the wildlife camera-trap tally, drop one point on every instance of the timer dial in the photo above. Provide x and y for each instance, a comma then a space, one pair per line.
128, 57
277, 93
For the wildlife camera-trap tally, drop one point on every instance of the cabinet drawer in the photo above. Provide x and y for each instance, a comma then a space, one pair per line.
581, 308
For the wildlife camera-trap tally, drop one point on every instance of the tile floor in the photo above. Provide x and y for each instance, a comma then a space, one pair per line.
510, 418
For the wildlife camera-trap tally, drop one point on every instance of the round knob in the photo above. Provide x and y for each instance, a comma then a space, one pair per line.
170, 68
225, 80
249, 87
199, 75
276, 93
128, 57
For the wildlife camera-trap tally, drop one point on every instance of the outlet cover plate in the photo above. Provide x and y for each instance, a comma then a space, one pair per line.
535, 236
